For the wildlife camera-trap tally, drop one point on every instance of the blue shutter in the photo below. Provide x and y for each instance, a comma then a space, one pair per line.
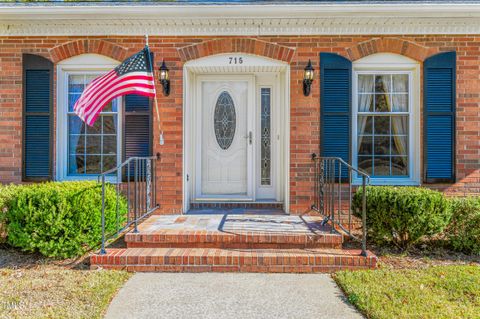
335, 106
37, 118
137, 126
439, 117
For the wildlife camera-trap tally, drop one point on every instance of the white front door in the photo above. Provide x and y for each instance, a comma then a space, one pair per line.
224, 138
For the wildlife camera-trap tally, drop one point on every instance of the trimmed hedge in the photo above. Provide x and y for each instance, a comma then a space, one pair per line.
403, 215
463, 232
6, 193
59, 219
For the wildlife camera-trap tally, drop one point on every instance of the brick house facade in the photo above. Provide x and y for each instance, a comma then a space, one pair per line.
304, 111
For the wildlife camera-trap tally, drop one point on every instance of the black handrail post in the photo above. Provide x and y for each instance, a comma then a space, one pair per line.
117, 207
102, 250
364, 216
154, 178
128, 192
135, 205
350, 172
315, 181
339, 211
332, 192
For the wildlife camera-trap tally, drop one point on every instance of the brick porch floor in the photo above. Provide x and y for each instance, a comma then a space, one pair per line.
233, 242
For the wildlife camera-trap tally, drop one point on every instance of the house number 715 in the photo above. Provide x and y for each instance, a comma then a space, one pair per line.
235, 60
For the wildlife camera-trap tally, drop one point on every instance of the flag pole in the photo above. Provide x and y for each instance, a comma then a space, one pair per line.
162, 141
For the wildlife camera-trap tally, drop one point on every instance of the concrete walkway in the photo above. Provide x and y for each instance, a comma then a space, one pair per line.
225, 295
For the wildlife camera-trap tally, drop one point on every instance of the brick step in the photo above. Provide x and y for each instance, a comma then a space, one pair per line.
233, 231
265, 207
246, 240
232, 260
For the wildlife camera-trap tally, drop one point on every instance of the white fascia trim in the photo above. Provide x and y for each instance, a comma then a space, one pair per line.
241, 20
243, 11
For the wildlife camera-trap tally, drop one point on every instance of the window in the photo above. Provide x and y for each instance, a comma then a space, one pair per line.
385, 121
265, 129
382, 124
91, 150
83, 151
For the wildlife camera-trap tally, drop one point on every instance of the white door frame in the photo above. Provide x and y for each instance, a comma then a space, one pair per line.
269, 81
196, 175
228, 65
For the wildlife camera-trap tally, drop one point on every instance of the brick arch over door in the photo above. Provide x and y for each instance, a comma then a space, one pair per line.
77, 47
393, 45
240, 45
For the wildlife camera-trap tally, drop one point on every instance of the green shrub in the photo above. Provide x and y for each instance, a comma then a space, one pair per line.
6, 193
60, 219
403, 215
463, 232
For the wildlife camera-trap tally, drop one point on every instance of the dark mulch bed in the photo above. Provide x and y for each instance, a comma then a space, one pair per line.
16, 259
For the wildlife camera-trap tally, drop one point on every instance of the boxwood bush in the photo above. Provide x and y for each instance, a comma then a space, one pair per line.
6, 193
463, 232
402, 215
59, 219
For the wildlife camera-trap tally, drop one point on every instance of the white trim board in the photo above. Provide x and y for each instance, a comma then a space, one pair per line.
241, 26
242, 19
426, 9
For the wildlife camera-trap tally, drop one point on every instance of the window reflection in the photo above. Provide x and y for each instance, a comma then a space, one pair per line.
382, 124
91, 150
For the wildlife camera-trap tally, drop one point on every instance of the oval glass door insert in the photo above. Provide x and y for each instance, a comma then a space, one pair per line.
224, 120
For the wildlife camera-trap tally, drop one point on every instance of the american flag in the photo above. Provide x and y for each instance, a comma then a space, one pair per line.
134, 75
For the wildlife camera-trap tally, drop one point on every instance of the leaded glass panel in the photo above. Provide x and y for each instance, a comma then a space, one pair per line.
265, 160
224, 120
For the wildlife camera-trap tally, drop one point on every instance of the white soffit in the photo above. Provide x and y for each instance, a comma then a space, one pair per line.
253, 20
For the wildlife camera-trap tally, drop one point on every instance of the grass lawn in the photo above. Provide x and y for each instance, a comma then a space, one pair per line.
434, 292
45, 290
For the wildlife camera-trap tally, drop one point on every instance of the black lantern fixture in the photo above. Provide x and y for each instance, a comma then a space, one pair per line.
164, 79
308, 78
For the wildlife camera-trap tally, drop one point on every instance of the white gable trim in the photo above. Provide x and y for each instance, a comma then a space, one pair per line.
251, 20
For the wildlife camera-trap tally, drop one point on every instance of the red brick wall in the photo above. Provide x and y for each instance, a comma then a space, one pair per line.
304, 114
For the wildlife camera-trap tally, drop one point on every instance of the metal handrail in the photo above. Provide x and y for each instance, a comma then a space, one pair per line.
329, 180
141, 197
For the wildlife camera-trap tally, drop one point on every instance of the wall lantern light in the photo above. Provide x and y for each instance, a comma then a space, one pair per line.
308, 78
164, 79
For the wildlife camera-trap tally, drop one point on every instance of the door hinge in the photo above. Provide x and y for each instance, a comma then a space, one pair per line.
188, 178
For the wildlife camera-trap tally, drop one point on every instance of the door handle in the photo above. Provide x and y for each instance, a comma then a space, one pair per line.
249, 137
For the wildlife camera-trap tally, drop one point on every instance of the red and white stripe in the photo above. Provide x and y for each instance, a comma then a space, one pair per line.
105, 88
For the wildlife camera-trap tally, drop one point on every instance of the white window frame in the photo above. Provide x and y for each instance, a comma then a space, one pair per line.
81, 64
389, 63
